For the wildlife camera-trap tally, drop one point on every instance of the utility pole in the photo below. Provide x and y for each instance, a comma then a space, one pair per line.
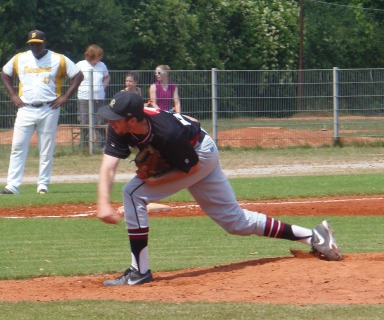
301, 34
301, 41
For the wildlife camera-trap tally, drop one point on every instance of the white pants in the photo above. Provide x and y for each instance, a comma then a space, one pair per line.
44, 120
209, 187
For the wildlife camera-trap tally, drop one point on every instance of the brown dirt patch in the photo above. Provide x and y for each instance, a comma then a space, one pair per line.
299, 279
268, 137
276, 137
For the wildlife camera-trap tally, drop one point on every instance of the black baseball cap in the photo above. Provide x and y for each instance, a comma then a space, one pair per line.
123, 104
36, 36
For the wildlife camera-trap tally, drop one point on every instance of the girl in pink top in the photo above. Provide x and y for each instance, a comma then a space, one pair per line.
164, 95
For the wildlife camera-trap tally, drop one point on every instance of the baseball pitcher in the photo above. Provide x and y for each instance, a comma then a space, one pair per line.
188, 159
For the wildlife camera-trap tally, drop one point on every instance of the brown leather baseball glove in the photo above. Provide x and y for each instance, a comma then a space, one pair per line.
149, 163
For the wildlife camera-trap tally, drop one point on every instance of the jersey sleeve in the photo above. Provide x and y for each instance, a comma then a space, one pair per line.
71, 68
116, 146
8, 67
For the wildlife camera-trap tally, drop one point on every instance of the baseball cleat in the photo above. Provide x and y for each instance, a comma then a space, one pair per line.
131, 277
6, 191
42, 191
323, 243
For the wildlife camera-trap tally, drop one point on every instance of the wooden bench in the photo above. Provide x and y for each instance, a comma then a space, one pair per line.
75, 131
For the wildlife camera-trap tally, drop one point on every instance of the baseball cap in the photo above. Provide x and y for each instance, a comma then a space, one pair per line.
36, 36
123, 104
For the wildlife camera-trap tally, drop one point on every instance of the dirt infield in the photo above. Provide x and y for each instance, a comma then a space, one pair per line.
293, 279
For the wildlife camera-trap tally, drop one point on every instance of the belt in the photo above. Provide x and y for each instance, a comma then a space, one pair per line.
201, 137
198, 139
39, 105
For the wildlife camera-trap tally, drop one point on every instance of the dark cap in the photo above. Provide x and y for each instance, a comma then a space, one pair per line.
123, 104
36, 36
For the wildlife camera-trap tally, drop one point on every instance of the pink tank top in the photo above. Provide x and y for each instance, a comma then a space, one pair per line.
164, 98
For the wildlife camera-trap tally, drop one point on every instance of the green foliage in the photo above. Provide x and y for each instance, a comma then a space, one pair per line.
17, 19
343, 35
260, 35
142, 34
226, 34
84, 22
159, 34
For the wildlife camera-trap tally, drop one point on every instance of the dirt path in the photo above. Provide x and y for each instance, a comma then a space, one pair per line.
299, 279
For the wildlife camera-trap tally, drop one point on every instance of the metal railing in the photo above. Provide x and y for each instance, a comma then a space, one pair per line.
258, 108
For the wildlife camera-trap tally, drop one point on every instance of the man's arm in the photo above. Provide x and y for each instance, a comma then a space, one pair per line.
74, 84
152, 96
105, 211
106, 81
176, 101
7, 81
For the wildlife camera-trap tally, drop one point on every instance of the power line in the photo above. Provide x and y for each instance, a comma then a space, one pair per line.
347, 6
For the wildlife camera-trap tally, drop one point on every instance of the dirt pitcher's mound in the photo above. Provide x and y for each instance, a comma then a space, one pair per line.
291, 280
302, 279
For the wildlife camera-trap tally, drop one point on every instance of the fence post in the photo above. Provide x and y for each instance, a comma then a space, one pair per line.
214, 103
336, 136
90, 113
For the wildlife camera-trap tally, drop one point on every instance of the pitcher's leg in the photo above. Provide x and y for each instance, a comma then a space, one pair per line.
216, 197
137, 195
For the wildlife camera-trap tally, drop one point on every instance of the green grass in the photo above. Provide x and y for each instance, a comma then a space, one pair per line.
38, 247
245, 188
67, 163
43, 247
116, 310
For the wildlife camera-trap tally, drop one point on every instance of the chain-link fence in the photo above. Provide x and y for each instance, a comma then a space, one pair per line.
254, 108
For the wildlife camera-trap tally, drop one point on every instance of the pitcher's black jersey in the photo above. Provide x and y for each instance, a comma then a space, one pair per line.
173, 135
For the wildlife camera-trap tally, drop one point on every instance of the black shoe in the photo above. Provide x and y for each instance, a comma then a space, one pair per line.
131, 277
6, 191
324, 244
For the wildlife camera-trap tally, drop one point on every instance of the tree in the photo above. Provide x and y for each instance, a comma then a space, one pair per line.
219, 33
260, 34
70, 27
199, 34
84, 22
17, 19
342, 35
159, 33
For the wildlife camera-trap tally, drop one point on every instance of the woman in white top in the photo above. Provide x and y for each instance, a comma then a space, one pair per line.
96, 73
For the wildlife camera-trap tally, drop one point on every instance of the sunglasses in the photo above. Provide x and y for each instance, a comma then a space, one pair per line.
159, 73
